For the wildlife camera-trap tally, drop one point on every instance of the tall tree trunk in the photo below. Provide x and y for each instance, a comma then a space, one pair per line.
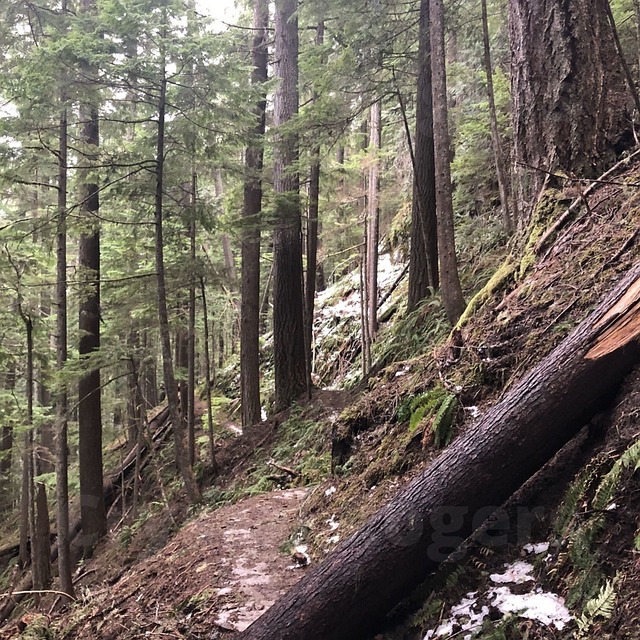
449, 278
62, 454
373, 218
207, 369
254, 158
42, 541
569, 96
6, 447
312, 238
191, 335
288, 325
423, 256
94, 517
27, 522
396, 549
191, 487
508, 216
250, 296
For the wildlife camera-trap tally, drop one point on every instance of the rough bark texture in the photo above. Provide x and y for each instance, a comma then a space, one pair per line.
61, 401
423, 257
94, 518
449, 279
250, 301
42, 554
348, 595
570, 102
288, 326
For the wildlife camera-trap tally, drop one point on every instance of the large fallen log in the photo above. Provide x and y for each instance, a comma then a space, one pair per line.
347, 596
159, 427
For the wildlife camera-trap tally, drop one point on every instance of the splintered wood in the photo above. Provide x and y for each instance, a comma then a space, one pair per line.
620, 325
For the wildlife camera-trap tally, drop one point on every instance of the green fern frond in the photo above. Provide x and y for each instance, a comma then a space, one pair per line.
602, 606
443, 421
575, 495
605, 492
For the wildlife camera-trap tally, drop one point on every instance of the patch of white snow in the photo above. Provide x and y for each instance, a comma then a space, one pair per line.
516, 573
536, 549
547, 608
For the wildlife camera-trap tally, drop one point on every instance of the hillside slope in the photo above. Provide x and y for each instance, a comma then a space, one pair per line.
357, 451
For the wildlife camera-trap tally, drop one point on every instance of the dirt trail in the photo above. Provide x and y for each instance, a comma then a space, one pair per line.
219, 573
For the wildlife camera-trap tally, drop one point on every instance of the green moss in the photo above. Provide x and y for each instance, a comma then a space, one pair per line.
499, 281
551, 206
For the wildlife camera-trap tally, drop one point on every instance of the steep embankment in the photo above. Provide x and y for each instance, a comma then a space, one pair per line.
357, 459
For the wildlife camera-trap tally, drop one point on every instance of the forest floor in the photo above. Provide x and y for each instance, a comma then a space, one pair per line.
217, 575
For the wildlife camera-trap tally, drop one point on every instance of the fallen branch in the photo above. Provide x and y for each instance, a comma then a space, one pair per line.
292, 472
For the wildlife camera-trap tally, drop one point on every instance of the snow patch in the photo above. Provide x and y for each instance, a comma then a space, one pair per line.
547, 608
468, 615
330, 491
536, 549
333, 523
516, 573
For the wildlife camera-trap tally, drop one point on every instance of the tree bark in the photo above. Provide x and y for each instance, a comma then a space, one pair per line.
449, 279
207, 369
312, 239
348, 595
288, 324
6, 447
250, 295
191, 336
423, 253
94, 517
42, 556
570, 103
373, 218
61, 400
503, 186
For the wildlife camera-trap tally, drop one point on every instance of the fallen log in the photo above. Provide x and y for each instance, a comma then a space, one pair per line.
347, 596
159, 427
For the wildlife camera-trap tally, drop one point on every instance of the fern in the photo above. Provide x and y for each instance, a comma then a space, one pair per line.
605, 492
443, 422
602, 606
573, 498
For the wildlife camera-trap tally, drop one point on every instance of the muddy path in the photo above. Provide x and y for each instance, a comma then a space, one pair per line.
214, 578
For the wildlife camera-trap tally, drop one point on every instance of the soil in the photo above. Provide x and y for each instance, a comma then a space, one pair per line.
215, 577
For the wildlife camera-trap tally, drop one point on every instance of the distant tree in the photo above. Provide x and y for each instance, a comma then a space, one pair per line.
423, 260
312, 234
288, 326
449, 277
93, 513
373, 218
252, 206
508, 216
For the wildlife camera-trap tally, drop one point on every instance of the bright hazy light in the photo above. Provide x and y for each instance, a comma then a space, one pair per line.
223, 10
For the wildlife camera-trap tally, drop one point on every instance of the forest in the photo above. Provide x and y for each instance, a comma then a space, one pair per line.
320, 320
